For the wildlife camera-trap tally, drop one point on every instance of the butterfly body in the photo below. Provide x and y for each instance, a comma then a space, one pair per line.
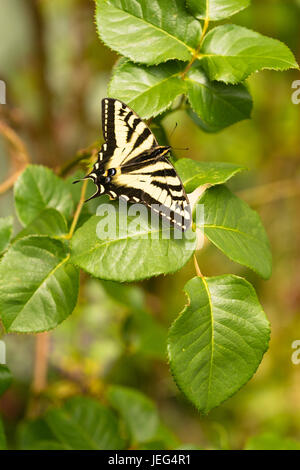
132, 166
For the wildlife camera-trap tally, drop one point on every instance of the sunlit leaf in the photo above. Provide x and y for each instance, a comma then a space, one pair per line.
38, 286
216, 9
231, 53
150, 35
37, 189
218, 341
235, 229
194, 174
147, 90
138, 252
49, 222
6, 228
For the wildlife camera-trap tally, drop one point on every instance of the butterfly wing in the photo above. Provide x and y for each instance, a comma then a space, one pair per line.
125, 134
156, 184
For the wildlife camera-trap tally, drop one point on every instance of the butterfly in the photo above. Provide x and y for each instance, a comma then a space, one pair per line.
131, 165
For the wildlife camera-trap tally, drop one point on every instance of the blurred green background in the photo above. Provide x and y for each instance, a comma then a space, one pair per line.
56, 71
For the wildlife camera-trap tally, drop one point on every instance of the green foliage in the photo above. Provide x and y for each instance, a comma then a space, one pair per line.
194, 174
234, 228
6, 227
38, 188
231, 53
2, 436
218, 341
49, 285
5, 378
216, 9
139, 253
216, 344
138, 412
271, 441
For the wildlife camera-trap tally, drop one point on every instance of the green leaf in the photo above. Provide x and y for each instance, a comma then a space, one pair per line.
218, 341
38, 286
5, 378
218, 105
6, 228
271, 441
2, 436
148, 34
84, 424
38, 188
147, 90
216, 9
138, 412
231, 53
132, 255
49, 222
194, 174
235, 229
36, 435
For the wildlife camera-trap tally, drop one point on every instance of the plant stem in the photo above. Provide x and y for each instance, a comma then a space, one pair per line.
198, 272
78, 210
41, 363
196, 53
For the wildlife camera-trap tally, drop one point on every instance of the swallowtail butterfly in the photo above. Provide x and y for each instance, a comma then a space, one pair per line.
132, 166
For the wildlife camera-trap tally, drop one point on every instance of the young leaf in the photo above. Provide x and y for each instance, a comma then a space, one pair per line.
139, 413
5, 378
218, 341
2, 436
194, 174
132, 255
147, 90
231, 53
38, 188
38, 286
216, 9
218, 105
83, 424
6, 228
235, 229
148, 34
49, 222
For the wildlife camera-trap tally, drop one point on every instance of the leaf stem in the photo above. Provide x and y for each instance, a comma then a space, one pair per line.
198, 272
41, 363
78, 210
196, 53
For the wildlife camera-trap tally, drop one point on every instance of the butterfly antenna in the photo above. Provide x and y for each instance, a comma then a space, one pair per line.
173, 130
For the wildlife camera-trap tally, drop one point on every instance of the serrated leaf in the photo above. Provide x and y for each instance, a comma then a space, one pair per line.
235, 229
132, 254
147, 90
84, 424
271, 441
216, 9
37, 189
146, 33
138, 412
49, 222
230, 53
38, 286
6, 228
218, 341
5, 378
218, 105
2, 436
194, 174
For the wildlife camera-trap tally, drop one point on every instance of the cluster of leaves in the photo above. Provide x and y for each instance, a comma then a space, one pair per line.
218, 341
